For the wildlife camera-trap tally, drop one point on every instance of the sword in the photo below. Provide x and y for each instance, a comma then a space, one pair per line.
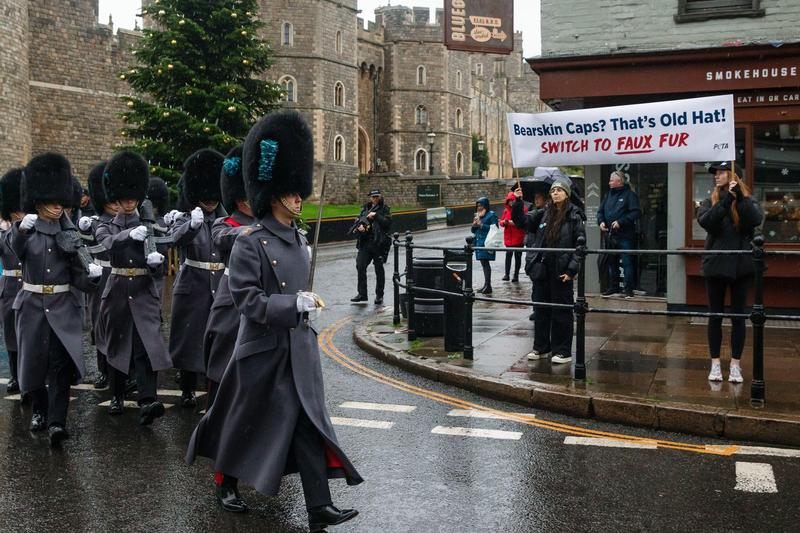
319, 223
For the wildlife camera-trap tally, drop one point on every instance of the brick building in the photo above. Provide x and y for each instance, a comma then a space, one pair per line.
372, 94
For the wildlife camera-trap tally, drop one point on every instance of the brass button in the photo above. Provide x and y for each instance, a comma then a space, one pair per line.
264, 242
130, 260
130, 297
49, 250
213, 254
283, 283
48, 270
46, 310
274, 262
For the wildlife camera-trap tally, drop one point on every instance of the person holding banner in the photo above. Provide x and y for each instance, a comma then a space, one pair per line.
730, 218
484, 220
558, 225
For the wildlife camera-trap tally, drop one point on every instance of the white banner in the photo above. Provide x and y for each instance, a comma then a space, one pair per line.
678, 131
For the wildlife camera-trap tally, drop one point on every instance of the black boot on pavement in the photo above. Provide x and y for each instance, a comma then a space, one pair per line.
149, 412
13, 386
328, 515
188, 399
228, 496
38, 421
101, 382
359, 298
379, 300
57, 435
117, 406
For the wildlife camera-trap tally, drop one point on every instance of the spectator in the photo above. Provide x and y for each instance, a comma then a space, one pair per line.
539, 201
617, 218
558, 225
513, 237
730, 218
484, 219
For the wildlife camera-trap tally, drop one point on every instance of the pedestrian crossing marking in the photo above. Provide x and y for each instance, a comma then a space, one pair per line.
18, 398
761, 450
130, 404
476, 432
394, 408
755, 477
3, 381
177, 393
477, 413
85, 386
357, 422
608, 443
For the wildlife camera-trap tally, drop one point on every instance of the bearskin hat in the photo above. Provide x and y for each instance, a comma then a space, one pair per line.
182, 203
201, 172
277, 159
77, 194
158, 194
47, 178
10, 193
96, 192
231, 180
126, 176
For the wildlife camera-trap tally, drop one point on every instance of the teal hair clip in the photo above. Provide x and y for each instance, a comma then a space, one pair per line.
269, 149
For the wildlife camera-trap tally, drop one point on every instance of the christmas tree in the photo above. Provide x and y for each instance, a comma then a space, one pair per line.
198, 81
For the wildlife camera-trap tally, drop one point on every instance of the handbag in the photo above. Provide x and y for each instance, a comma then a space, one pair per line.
494, 239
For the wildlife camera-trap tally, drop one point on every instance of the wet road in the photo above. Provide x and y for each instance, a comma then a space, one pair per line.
425, 468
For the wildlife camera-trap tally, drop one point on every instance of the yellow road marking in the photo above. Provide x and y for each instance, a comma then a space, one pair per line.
329, 348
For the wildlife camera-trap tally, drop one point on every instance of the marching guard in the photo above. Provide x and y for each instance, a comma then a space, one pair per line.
201, 268
269, 417
49, 306
223, 322
129, 331
11, 281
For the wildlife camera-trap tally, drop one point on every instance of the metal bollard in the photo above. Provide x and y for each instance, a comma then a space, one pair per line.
581, 308
396, 278
412, 335
469, 297
758, 318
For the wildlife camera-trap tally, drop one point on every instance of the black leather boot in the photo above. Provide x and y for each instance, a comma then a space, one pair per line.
328, 515
101, 382
13, 386
188, 399
57, 435
117, 406
228, 496
38, 421
359, 298
149, 412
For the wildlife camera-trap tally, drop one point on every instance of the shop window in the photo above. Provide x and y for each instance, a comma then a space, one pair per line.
776, 179
699, 10
703, 183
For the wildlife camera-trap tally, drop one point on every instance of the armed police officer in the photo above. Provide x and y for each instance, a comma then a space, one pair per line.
373, 227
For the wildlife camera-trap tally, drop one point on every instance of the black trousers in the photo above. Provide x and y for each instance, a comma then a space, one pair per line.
308, 450
53, 400
552, 327
188, 381
486, 265
146, 377
517, 260
12, 364
716, 289
102, 363
367, 255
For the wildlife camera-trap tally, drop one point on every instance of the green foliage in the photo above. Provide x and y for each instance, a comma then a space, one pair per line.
197, 82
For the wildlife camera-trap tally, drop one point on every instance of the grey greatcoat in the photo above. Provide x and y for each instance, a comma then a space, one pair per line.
129, 302
275, 370
43, 263
223, 321
193, 293
9, 287
95, 297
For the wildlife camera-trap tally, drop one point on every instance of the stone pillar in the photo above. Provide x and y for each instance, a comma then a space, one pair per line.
15, 126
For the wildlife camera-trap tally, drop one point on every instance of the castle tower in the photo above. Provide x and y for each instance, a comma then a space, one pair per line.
15, 126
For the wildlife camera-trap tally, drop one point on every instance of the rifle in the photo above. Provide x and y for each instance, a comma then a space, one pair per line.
362, 221
148, 219
69, 241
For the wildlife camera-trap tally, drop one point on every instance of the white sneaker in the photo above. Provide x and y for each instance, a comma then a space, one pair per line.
558, 359
736, 375
716, 372
535, 356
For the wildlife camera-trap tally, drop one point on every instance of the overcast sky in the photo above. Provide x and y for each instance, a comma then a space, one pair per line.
526, 16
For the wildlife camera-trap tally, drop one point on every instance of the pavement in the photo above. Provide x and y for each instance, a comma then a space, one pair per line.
648, 371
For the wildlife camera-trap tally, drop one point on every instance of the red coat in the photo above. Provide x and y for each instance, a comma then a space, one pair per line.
512, 235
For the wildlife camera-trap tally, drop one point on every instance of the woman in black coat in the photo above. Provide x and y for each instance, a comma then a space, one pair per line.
730, 218
558, 225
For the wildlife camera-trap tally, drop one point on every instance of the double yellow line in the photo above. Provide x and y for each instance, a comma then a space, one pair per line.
329, 348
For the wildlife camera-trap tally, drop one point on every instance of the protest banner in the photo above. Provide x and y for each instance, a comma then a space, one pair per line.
676, 131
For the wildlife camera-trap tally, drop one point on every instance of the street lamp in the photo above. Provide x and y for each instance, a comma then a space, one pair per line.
481, 146
431, 138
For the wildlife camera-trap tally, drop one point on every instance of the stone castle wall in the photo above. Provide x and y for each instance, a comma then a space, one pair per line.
15, 109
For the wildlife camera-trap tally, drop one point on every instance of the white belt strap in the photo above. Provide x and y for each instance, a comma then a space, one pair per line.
45, 289
13, 273
203, 265
227, 271
101, 263
130, 272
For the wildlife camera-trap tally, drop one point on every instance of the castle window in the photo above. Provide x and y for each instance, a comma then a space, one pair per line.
421, 160
338, 42
422, 77
479, 69
421, 115
338, 148
289, 85
491, 87
458, 79
338, 94
460, 162
459, 118
499, 67
287, 37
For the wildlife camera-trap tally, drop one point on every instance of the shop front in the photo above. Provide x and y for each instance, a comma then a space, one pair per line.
765, 82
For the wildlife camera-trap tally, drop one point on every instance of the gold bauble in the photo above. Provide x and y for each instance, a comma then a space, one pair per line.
159, 71
122, 76
189, 92
206, 130
244, 33
130, 103
132, 71
165, 114
232, 109
162, 12
173, 42
233, 14
245, 62
181, 22
170, 66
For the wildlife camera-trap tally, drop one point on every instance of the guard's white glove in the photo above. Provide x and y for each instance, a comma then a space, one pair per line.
95, 271
27, 222
139, 233
306, 302
85, 223
197, 218
154, 259
169, 218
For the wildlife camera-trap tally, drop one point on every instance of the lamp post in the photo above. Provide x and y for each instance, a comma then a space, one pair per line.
481, 146
431, 138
